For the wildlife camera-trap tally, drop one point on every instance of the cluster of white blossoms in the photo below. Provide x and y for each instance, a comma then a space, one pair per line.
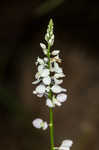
49, 74
48, 79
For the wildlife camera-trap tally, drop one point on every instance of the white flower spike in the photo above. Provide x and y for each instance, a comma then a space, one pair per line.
48, 79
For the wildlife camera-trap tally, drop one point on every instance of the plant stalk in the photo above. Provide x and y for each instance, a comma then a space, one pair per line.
51, 126
51, 129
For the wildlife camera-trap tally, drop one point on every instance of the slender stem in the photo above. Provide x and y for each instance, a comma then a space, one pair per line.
51, 129
51, 109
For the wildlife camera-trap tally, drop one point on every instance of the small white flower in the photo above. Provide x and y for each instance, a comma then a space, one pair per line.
39, 61
43, 46
57, 69
40, 68
47, 34
57, 89
49, 103
56, 102
37, 76
40, 89
61, 97
45, 51
57, 81
55, 52
45, 125
45, 59
51, 32
41, 72
46, 37
51, 41
66, 145
59, 75
39, 123
47, 80
52, 37
34, 92
38, 94
45, 73
36, 82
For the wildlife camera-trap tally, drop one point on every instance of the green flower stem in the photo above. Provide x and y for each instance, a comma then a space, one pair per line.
51, 129
51, 109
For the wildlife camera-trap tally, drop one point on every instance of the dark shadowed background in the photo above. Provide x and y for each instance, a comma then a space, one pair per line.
22, 27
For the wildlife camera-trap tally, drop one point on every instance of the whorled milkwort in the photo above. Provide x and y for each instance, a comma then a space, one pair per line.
48, 79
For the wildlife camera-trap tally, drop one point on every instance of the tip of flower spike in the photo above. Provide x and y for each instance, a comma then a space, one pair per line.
49, 36
51, 23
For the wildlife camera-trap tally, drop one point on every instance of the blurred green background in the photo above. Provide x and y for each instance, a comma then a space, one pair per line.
22, 27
